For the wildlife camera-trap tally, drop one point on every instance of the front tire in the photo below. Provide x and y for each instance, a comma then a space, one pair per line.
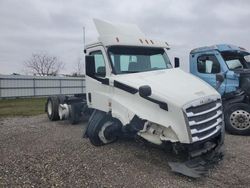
237, 119
102, 129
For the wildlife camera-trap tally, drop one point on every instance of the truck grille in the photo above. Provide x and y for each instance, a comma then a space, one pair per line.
204, 120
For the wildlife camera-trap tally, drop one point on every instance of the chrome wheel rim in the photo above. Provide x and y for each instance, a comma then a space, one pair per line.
101, 133
240, 119
49, 108
60, 112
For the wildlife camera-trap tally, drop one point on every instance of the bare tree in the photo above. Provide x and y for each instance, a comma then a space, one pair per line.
78, 69
43, 64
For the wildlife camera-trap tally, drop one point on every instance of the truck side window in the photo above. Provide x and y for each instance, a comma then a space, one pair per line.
99, 63
208, 64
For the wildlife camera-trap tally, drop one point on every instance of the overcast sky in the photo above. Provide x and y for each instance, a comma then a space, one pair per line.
55, 26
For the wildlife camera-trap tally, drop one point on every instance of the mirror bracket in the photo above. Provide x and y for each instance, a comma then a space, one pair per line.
176, 62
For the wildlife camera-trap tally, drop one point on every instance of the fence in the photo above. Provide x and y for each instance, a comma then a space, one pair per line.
31, 86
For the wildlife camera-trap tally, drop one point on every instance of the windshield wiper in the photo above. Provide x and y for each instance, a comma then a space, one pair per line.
130, 71
238, 67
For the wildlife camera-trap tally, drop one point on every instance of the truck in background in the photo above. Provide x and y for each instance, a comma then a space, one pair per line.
227, 68
133, 89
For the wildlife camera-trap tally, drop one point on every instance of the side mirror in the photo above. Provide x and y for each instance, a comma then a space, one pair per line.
220, 77
145, 91
90, 65
176, 62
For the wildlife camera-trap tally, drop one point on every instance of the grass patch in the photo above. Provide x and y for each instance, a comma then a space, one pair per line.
22, 107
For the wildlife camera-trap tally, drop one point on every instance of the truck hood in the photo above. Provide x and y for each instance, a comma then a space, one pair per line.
170, 85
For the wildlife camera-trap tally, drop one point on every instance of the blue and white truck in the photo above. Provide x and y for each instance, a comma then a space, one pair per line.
226, 68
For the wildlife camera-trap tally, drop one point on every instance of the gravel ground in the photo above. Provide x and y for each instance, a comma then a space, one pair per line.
37, 153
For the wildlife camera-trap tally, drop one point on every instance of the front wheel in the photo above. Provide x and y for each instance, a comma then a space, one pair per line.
102, 129
237, 119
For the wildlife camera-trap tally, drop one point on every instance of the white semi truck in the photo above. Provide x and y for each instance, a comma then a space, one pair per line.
133, 89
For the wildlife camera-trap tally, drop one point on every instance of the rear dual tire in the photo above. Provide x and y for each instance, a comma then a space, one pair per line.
52, 105
52, 109
74, 113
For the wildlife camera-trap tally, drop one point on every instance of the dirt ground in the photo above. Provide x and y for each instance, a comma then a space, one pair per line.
37, 153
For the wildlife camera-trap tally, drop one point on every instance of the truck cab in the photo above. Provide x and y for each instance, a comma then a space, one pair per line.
133, 90
227, 69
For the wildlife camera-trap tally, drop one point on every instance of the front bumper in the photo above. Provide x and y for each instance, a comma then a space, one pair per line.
202, 147
200, 156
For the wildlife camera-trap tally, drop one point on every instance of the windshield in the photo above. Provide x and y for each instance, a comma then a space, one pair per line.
247, 58
138, 59
235, 60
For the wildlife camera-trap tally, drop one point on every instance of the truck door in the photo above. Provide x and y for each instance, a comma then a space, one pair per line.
97, 87
207, 66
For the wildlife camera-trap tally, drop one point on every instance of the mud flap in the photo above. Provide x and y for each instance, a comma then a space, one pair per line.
198, 166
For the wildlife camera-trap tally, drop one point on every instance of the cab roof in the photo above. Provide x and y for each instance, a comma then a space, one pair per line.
220, 48
124, 35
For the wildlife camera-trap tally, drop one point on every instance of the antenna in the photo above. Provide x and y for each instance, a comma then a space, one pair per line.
83, 35
83, 40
